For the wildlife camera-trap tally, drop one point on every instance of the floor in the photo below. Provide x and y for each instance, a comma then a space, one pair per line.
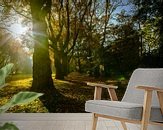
57, 121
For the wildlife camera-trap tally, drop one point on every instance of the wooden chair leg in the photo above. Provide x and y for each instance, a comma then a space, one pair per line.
94, 122
160, 98
124, 125
146, 110
112, 94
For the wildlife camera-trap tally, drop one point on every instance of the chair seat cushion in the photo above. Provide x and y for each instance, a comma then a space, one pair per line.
131, 111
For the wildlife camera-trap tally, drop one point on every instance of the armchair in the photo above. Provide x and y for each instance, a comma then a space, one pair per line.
142, 102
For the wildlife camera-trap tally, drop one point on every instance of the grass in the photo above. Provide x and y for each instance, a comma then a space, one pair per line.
76, 93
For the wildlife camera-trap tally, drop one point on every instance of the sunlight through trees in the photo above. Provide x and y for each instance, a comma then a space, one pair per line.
99, 38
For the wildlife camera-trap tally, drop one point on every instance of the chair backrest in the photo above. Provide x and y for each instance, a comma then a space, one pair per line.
148, 77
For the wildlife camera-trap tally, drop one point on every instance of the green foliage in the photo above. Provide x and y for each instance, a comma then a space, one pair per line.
122, 56
121, 78
20, 99
150, 35
8, 126
149, 17
4, 72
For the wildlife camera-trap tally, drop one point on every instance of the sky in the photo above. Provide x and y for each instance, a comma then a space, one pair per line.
12, 23
128, 8
18, 29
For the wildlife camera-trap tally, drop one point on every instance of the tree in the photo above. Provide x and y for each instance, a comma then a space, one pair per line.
11, 50
42, 80
4, 48
40, 11
64, 27
95, 37
151, 11
123, 52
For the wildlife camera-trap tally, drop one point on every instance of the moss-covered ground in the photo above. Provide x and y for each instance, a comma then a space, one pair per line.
73, 88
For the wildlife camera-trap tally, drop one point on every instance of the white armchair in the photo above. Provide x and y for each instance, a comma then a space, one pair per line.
137, 106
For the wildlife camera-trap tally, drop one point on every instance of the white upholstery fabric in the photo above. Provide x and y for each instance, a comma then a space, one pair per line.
115, 108
125, 110
147, 77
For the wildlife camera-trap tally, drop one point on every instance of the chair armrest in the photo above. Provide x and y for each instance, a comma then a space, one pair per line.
98, 90
150, 88
102, 85
148, 99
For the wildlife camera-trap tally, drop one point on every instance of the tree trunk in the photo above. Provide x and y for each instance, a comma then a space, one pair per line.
58, 68
41, 61
42, 80
79, 64
61, 66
